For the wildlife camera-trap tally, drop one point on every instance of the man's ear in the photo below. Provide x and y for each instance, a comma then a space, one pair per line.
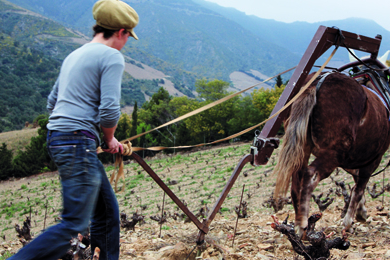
122, 33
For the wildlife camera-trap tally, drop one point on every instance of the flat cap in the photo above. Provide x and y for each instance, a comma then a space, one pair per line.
115, 15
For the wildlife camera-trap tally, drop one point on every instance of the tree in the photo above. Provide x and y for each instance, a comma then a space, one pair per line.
35, 158
245, 115
123, 128
134, 123
181, 106
145, 140
156, 112
211, 124
161, 96
279, 81
265, 100
6, 167
212, 90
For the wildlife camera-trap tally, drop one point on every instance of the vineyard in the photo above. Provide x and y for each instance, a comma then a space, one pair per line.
198, 177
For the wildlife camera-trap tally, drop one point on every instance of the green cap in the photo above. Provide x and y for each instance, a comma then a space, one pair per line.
115, 15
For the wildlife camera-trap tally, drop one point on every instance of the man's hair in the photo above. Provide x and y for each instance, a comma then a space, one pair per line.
107, 33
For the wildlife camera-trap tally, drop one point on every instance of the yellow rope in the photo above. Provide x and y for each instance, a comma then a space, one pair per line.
127, 151
213, 104
301, 91
192, 113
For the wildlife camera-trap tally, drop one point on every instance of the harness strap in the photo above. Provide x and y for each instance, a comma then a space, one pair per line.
375, 174
362, 62
322, 79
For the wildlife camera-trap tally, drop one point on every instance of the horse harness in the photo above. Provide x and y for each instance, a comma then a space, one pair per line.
369, 78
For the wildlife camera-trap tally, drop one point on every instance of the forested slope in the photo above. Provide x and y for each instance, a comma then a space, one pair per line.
32, 49
29, 64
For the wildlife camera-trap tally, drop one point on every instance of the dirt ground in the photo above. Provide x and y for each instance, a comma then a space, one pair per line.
254, 239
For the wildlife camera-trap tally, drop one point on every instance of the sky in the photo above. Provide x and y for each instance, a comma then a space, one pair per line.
313, 10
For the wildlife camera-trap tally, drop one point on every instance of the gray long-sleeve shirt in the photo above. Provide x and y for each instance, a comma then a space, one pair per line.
87, 91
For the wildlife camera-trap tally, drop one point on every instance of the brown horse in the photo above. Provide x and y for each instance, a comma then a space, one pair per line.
343, 124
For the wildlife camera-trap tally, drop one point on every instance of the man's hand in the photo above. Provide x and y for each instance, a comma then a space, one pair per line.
113, 145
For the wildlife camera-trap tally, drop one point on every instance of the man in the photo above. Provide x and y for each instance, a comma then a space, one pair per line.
84, 99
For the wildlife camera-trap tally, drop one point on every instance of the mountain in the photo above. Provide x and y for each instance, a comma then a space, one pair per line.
208, 40
182, 33
32, 49
180, 41
296, 36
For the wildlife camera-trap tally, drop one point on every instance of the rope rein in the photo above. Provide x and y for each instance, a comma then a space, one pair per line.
128, 149
159, 148
206, 107
302, 90
119, 173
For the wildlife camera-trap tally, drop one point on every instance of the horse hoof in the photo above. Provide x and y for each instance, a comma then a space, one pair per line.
344, 232
300, 232
350, 230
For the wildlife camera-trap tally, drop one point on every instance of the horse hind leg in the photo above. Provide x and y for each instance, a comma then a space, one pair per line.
318, 170
356, 204
361, 211
296, 184
296, 190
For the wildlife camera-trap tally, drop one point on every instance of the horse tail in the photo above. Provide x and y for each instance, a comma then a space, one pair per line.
292, 154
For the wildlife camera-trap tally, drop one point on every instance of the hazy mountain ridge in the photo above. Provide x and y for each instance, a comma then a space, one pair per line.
186, 34
296, 36
63, 11
206, 39
209, 44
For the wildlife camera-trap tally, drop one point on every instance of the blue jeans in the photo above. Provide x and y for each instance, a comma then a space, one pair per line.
87, 196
